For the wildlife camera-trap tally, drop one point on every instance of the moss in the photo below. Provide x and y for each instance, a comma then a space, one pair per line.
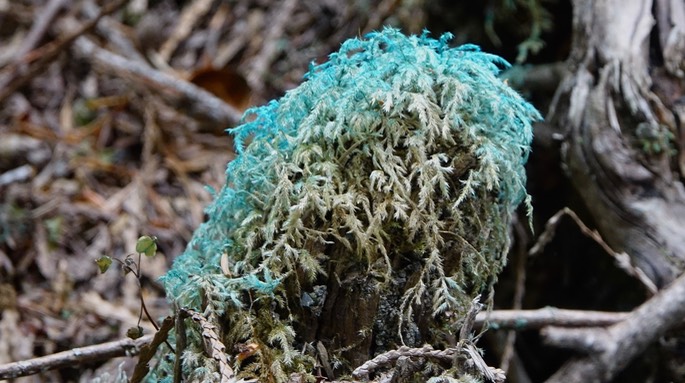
386, 180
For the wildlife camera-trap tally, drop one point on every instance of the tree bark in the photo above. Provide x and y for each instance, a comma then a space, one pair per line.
623, 127
621, 107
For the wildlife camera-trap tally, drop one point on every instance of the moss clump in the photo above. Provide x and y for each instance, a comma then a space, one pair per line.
368, 209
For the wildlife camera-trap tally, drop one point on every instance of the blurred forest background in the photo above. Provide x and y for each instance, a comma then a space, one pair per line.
112, 126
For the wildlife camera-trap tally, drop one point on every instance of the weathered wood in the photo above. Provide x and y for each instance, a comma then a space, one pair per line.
622, 135
610, 114
614, 347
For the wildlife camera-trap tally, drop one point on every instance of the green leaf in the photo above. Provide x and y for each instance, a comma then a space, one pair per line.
104, 263
134, 332
147, 245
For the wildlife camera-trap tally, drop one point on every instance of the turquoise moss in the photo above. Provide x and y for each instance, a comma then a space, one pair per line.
398, 152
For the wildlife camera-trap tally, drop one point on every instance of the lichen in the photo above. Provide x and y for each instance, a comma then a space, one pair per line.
397, 163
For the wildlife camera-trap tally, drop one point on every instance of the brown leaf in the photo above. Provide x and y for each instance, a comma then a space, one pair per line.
226, 84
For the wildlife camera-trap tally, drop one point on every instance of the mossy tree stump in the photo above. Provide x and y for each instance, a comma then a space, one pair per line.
366, 209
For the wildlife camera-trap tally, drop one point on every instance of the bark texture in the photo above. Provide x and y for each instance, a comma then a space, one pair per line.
624, 130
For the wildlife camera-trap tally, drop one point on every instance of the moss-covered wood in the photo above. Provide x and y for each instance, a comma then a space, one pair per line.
365, 210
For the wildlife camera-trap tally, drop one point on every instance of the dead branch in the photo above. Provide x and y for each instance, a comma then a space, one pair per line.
390, 357
623, 261
213, 346
39, 27
548, 316
202, 103
147, 352
108, 29
633, 194
613, 348
536, 78
104, 351
17, 75
270, 50
519, 265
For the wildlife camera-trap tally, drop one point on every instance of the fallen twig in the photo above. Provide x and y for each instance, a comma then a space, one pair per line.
497, 319
38, 59
387, 358
107, 28
520, 258
213, 346
39, 27
189, 17
272, 45
104, 351
548, 316
148, 350
201, 102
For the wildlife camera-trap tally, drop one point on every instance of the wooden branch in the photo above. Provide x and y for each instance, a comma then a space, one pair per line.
520, 258
108, 29
616, 346
605, 106
582, 340
448, 355
147, 352
191, 14
201, 103
272, 45
537, 78
623, 260
104, 351
548, 316
39, 27
17, 75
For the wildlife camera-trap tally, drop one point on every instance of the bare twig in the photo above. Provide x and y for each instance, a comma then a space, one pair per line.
272, 45
494, 375
39, 58
536, 78
465, 331
104, 351
189, 17
202, 103
622, 259
498, 319
583, 340
616, 346
447, 355
548, 316
19, 174
39, 27
108, 29
520, 260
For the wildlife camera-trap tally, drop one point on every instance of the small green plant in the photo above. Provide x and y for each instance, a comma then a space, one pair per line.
655, 139
146, 245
